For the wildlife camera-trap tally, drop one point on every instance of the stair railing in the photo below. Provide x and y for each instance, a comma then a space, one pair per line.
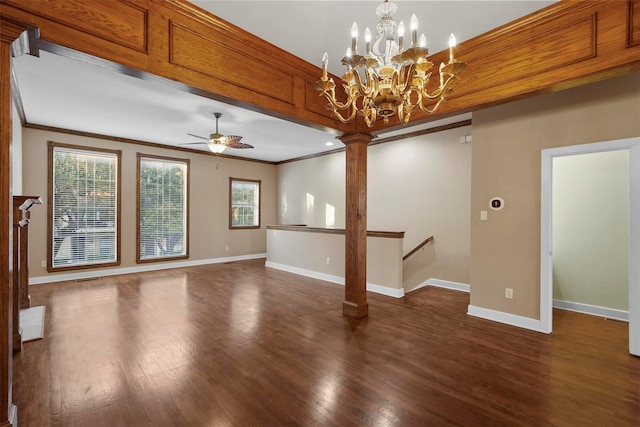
417, 248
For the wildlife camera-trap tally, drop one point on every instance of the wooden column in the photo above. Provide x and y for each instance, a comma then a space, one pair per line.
9, 31
355, 274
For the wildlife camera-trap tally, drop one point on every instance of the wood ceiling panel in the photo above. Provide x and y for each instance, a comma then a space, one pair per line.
203, 53
512, 59
121, 22
633, 27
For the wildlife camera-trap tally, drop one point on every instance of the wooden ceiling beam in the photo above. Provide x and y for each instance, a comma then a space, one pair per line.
567, 44
564, 45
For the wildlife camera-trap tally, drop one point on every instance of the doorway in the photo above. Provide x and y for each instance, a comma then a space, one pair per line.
546, 241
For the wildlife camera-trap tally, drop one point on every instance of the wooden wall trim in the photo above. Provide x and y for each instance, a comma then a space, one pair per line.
633, 23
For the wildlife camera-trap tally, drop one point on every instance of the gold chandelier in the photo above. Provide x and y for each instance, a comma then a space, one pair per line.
388, 80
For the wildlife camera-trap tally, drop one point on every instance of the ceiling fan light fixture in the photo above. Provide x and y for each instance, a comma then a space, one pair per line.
216, 147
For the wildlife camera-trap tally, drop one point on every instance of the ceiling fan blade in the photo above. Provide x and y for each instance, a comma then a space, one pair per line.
194, 143
235, 144
231, 141
198, 136
231, 138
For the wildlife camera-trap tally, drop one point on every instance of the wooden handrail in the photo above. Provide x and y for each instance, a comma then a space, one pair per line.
370, 233
417, 248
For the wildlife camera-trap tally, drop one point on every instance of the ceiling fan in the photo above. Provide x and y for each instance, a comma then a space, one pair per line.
218, 142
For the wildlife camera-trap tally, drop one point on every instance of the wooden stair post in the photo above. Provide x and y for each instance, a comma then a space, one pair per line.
355, 274
21, 298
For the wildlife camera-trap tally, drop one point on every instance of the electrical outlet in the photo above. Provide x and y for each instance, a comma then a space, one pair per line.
508, 293
43, 263
226, 248
328, 261
483, 215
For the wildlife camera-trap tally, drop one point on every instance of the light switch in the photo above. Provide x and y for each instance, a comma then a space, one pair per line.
483, 215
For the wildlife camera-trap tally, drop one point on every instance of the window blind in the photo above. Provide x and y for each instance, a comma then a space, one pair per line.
162, 212
84, 207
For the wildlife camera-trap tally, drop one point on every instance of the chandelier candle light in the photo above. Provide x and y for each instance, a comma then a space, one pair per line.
388, 80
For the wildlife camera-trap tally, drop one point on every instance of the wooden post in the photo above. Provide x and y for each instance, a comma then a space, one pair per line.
9, 31
21, 298
355, 274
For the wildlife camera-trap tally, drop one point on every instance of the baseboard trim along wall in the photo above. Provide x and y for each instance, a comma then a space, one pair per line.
91, 274
594, 310
507, 318
446, 284
372, 287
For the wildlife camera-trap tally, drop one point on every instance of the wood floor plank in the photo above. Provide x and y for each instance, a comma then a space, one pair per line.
239, 344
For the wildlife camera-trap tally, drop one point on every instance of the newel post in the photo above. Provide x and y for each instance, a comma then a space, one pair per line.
355, 274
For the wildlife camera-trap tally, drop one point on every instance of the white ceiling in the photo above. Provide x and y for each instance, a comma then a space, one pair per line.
65, 93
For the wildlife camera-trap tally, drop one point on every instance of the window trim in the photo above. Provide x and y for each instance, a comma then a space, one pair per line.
52, 145
245, 227
139, 157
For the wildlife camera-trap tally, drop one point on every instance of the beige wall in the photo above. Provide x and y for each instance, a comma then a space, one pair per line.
310, 251
209, 199
419, 185
308, 189
505, 250
591, 229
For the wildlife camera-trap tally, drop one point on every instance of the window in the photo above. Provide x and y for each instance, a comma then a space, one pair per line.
244, 201
84, 207
162, 211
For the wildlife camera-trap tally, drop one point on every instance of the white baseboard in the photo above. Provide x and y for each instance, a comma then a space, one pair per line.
385, 290
594, 310
90, 274
371, 287
446, 284
463, 287
303, 272
507, 318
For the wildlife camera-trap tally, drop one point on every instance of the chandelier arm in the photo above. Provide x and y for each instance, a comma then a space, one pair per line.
347, 119
352, 97
403, 81
326, 86
330, 95
431, 110
370, 114
401, 112
363, 89
442, 90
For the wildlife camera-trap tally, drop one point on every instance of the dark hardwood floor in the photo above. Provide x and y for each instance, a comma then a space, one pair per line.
242, 345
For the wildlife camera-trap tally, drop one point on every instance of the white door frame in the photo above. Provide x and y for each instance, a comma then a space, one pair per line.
546, 267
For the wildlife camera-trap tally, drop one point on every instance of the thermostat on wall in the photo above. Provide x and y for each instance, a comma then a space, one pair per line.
496, 203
